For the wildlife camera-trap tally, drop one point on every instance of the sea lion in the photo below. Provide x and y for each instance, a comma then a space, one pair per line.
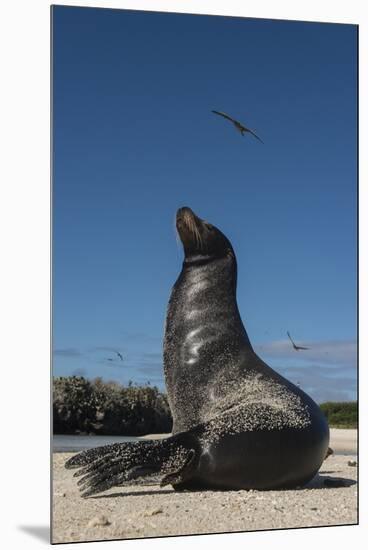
237, 424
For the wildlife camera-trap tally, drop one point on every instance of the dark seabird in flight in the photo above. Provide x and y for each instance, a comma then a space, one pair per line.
119, 355
242, 129
297, 348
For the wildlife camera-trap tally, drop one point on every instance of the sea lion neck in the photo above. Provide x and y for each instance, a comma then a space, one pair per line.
203, 332
225, 263
217, 272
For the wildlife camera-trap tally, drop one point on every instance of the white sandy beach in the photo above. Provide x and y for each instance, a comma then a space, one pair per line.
150, 511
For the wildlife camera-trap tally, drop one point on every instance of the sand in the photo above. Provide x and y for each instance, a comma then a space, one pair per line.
150, 511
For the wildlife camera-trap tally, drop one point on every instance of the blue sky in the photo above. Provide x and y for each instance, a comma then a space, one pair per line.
134, 139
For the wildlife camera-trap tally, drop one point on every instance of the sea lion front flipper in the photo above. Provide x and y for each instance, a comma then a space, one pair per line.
104, 467
184, 473
109, 466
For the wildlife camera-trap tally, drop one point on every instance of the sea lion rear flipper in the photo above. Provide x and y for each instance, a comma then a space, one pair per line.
329, 452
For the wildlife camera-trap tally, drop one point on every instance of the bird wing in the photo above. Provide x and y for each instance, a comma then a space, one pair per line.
225, 116
301, 347
287, 332
253, 134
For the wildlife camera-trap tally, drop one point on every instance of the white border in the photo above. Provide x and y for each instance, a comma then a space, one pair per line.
25, 284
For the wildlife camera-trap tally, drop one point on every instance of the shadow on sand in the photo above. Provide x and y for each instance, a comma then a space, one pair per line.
318, 482
134, 494
327, 482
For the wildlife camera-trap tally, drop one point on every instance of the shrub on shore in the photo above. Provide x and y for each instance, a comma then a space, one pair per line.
108, 408
341, 414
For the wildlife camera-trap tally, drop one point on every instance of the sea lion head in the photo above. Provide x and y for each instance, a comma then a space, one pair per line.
201, 240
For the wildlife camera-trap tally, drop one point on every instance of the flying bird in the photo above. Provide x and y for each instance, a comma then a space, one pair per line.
242, 129
118, 354
297, 348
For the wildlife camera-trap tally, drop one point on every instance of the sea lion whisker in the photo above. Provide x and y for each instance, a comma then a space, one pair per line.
197, 236
192, 228
200, 244
196, 233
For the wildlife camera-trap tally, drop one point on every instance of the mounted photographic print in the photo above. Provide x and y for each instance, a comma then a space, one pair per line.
204, 274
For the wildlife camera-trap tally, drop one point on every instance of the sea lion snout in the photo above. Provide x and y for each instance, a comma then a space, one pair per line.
184, 216
200, 238
183, 210
188, 226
